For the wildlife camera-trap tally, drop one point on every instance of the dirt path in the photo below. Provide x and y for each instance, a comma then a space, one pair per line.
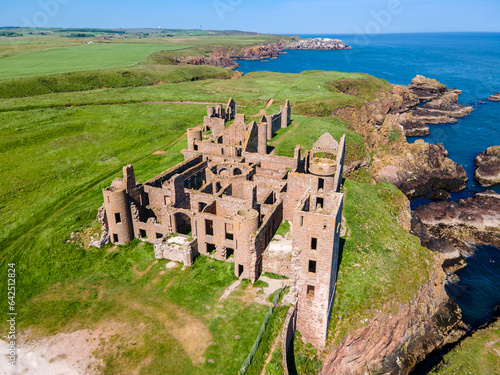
142, 273
185, 102
229, 289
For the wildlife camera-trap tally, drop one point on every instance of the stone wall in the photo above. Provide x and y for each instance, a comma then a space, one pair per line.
287, 336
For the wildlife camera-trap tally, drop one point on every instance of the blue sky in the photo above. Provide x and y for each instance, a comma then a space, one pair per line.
265, 16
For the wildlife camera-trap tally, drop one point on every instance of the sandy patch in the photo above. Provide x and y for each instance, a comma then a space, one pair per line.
159, 152
61, 354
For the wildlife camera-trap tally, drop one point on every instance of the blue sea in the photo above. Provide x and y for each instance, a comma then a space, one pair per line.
467, 61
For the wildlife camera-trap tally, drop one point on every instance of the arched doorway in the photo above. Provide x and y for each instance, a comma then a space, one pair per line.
182, 223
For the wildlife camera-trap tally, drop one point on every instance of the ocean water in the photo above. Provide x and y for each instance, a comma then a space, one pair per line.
467, 61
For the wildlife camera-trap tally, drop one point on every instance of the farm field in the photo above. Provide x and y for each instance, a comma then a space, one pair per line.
75, 58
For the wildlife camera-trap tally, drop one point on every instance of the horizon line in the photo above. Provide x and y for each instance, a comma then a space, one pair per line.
257, 32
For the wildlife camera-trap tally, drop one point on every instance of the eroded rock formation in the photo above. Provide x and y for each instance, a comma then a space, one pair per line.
420, 169
394, 344
488, 167
469, 221
442, 110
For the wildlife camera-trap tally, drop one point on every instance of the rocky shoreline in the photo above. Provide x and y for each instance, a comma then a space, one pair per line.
226, 58
469, 221
440, 106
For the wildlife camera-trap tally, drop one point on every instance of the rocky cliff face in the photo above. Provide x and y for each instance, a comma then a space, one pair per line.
317, 44
394, 344
488, 167
472, 220
421, 170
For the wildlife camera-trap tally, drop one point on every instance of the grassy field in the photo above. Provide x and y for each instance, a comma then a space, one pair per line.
82, 57
478, 354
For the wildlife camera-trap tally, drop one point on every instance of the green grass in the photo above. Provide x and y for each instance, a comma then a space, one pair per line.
307, 357
275, 366
57, 161
273, 329
108, 78
305, 131
478, 354
107, 292
83, 57
283, 229
378, 257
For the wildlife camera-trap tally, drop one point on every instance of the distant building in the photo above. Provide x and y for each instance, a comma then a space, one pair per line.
228, 198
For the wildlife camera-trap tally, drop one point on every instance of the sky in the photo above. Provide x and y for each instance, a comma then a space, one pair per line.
264, 16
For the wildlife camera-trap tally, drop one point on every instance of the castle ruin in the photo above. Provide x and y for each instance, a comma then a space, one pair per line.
227, 199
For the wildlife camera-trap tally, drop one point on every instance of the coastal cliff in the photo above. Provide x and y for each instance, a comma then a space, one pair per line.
419, 169
225, 57
394, 344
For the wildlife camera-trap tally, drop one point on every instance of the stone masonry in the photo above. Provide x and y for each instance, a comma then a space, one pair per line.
227, 199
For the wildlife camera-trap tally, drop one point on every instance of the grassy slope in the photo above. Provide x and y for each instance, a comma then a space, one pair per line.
382, 264
478, 354
252, 90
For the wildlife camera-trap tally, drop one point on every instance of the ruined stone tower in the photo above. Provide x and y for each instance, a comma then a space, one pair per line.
227, 199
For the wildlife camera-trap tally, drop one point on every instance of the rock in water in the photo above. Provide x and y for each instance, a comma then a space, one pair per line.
495, 97
471, 220
488, 167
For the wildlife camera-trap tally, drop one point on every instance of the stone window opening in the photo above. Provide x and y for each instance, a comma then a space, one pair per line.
319, 202
211, 248
229, 253
310, 291
209, 227
314, 243
143, 233
115, 237
201, 206
312, 266
159, 235
240, 270
118, 218
321, 184
302, 221
229, 232
324, 224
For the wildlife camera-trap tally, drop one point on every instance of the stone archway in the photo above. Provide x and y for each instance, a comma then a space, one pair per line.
183, 223
237, 171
